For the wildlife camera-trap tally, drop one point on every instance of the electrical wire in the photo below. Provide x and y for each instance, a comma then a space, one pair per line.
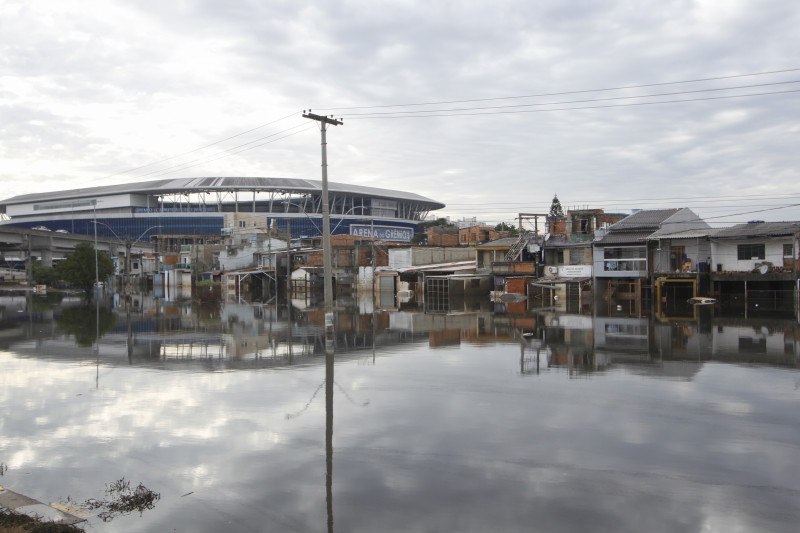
195, 149
467, 111
650, 200
230, 152
631, 104
517, 106
562, 93
705, 218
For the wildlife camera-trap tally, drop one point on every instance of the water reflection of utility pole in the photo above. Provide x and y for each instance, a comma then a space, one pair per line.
130, 336
289, 349
288, 257
329, 435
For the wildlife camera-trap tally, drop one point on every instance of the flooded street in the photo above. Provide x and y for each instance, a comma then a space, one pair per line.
478, 417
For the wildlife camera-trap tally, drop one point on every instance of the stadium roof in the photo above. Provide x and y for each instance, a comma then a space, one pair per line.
220, 184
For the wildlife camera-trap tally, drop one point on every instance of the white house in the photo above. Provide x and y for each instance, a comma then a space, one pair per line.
253, 253
765, 246
623, 251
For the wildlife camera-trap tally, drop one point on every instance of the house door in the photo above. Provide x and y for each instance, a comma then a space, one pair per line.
677, 257
788, 256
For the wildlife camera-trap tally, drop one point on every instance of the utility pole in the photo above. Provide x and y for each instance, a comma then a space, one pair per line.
326, 217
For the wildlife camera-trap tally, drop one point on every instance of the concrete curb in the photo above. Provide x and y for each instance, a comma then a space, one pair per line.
21, 504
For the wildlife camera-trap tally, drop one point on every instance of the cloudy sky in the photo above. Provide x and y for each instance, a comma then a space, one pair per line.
489, 107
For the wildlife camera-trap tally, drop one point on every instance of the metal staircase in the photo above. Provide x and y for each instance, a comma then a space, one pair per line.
513, 253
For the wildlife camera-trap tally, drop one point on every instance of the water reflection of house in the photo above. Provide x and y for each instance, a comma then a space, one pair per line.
570, 340
746, 342
623, 335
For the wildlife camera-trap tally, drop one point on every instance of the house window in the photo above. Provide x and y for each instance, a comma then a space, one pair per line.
560, 257
747, 344
242, 223
625, 259
750, 251
135, 265
788, 251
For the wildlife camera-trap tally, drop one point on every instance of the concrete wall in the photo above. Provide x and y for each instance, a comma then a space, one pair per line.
239, 257
418, 256
725, 253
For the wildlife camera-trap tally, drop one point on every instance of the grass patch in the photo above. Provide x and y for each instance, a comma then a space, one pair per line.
11, 522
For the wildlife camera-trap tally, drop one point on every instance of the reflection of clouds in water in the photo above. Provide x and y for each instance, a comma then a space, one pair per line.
469, 447
132, 411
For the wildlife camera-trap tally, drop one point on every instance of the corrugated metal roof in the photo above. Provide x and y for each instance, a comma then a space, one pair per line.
449, 267
625, 237
193, 185
505, 242
687, 234
562, 244
759, 229
649, 218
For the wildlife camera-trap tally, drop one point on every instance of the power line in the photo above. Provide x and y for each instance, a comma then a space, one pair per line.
225, 153
562, 93
222, 155
517, 106
194, 149
678, 198
631, 104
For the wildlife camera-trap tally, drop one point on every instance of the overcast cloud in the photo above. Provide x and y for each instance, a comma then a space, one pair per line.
90, 91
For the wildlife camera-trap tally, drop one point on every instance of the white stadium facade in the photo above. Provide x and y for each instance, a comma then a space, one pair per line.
202, 210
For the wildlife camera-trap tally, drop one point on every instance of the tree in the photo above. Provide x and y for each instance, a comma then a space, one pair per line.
556, 211
43, 275
85, 323
422, 228
78, 267
510, 228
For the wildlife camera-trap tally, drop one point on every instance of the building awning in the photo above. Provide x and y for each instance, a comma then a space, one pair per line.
625, 237
462, 266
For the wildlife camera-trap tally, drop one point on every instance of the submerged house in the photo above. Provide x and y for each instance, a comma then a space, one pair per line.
623, 259
757, 262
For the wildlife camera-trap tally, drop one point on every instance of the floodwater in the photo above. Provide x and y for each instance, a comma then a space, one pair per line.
475, 417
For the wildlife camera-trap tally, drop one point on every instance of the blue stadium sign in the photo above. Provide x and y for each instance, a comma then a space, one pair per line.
384, 233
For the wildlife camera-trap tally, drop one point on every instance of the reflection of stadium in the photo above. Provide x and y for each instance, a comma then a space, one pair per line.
198, 210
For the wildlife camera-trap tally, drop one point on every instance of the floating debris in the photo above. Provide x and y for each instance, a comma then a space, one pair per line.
701, 301
122, 500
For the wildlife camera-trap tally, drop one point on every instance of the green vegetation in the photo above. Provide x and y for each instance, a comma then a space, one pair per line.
43, 275
422, 229
510, 228
79, 267
11, 522
85, 323
556, 211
